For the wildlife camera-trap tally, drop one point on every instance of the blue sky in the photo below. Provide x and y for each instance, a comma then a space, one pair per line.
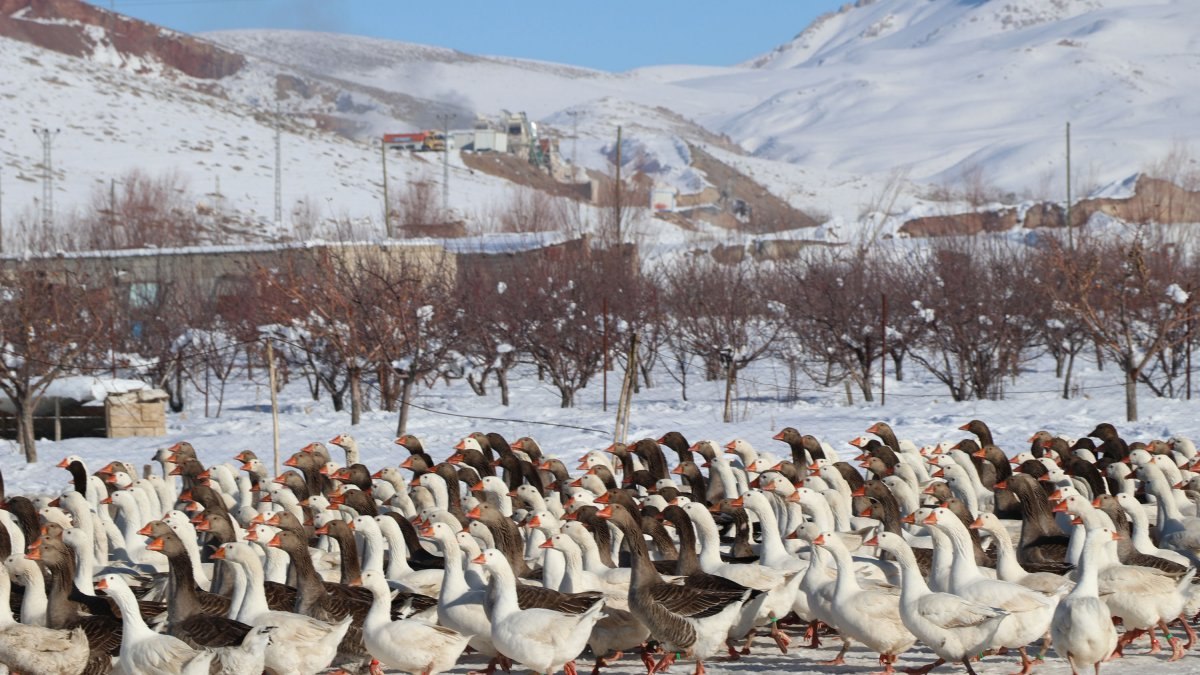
610, 35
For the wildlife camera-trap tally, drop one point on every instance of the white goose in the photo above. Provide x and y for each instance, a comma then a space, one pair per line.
871, 617
33, 649
301, 645
1029, 611
1082, 629
143, 652
540, 639
954, 628
410, 645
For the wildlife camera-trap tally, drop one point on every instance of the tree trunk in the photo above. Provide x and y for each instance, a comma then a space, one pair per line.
25, 435
355, 397
1067, 381
339, 399
1131, 411
567, 397
176, 396
1058, 364
502, 381
406, 394
898, 366
730, 374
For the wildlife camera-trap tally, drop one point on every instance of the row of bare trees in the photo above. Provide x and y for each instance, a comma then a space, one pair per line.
970, 312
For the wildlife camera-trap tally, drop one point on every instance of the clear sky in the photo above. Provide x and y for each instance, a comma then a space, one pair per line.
612, 35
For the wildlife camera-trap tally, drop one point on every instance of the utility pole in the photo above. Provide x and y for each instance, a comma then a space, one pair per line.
1, 209
617, 189
278, 169
444, 118
575, 159
47, 137
387, 209
1070, 234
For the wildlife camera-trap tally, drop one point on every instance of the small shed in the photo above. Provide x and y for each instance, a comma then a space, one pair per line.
93, 406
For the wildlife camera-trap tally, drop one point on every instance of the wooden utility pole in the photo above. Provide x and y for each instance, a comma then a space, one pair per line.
883, 352
387, 208
604, 339
626, 400
274, 403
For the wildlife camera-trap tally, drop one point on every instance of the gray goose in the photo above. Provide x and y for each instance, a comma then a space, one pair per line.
686, 620
188, 618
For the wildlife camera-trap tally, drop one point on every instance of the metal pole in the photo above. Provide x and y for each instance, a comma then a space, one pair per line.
883, 353
617, 200
278, 169
575, 160
387, 209
1, 209
1070, 232
444, 118
47, 137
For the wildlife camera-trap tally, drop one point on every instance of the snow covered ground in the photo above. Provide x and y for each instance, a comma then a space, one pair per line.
917, 408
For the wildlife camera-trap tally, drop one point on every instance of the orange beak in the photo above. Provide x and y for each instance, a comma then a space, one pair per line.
156, 545
549, 543
819, 541
978, 523
965, 427
102, 585
873, 541
275, 542
605, 512
462, 445
777, 437
1001, 485
909, 519
479, 559
475, 513
603, 499
534, 521
1117, 537
1060, 507
63, 463
35, 554
794, 497
737, 502
866, 513
931, 520
219, 554
356, 581
324, 529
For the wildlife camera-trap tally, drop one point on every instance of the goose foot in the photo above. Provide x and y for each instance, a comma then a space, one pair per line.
1191, 634
699, 668
748, 642
1155, 645
886, 661
665, 662
376, 667
491, 668
733, 652
1026, 663
648, 659
608, 660
1125, 639
569, 668
971, 671
1045, 647
813, 633
1177, 650
781, 639
840, 659
923, 670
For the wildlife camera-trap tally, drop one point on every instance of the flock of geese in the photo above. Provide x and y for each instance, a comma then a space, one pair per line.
508, 552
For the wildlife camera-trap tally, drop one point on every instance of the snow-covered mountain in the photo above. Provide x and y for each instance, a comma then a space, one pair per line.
940, 92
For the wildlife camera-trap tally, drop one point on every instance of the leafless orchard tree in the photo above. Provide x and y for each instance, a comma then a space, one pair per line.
142, 210
977, 309
54, 326
724, 314
1129, 293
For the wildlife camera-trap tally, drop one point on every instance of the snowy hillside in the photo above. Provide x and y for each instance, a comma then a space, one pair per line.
925, 92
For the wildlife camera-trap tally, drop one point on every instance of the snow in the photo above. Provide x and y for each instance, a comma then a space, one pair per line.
933, 91
918, 408
1177, 294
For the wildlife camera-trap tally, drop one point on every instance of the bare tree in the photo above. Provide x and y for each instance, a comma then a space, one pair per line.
725, 315
1129, 293
560, 295
977, 299
142, 210
833, 309
54, 325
